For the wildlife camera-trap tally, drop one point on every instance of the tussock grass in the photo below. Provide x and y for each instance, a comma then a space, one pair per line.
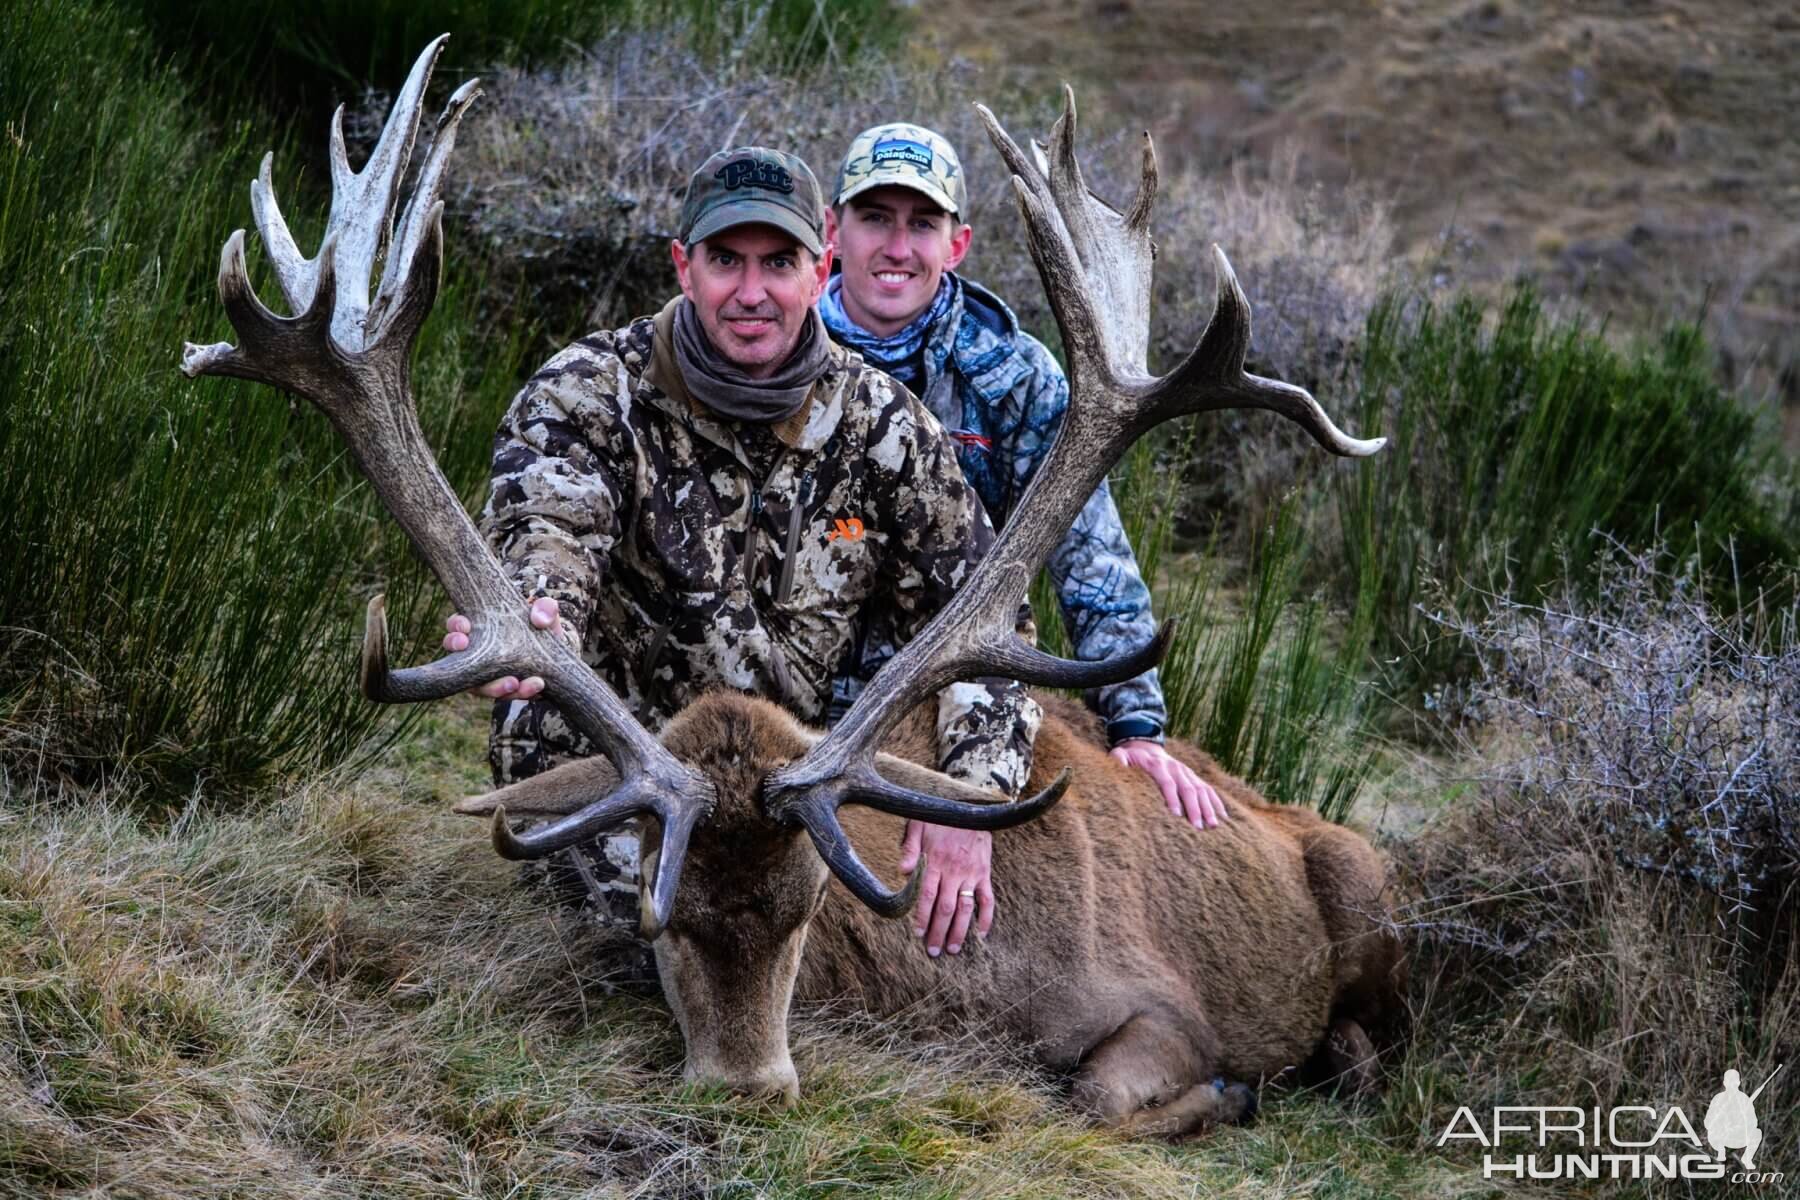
185, 560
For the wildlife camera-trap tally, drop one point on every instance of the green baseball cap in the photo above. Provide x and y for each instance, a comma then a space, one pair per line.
901, 155
752, 185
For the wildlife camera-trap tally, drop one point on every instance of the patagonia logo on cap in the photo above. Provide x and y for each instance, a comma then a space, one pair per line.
750, 172
910, 153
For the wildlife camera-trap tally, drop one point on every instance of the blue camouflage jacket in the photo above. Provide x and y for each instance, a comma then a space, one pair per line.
1002, 395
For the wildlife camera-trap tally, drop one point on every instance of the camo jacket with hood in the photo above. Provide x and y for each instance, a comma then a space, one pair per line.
1002, 397
685, 557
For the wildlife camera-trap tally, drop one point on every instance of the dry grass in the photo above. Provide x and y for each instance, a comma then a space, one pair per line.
347, 994
1653, 140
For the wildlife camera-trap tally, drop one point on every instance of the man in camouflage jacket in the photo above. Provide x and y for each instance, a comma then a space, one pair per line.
898, 301
687, 547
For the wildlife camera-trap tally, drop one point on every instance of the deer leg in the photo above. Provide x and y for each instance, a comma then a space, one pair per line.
1346, 1059
1149, 1078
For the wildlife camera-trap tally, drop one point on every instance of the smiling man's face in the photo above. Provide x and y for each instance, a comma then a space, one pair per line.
895, 245
753, 287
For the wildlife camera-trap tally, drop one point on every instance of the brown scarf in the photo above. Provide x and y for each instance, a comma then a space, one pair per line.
721, 384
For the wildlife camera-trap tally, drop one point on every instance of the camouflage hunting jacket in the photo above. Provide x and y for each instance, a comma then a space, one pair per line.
1002, 396
687, 552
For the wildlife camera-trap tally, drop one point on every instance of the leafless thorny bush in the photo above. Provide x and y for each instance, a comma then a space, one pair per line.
1673, 729
1619, 896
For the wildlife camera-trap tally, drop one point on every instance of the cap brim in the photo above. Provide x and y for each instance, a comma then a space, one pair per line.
936, 195
756, 212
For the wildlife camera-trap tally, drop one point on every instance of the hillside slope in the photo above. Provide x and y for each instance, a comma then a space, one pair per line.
1641, 156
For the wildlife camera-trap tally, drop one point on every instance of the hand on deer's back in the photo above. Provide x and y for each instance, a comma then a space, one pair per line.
1186, 794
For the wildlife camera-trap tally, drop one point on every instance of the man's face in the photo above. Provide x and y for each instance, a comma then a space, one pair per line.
753, 287
895, 245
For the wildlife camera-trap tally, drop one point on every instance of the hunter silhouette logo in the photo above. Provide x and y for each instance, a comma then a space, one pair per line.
1731, 1119
846, 527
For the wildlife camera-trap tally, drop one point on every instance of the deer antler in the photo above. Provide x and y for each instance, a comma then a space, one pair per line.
351, 357
1095, 263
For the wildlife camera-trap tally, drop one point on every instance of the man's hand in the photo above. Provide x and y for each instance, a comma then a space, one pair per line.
1186, 794
543, 615
956, 886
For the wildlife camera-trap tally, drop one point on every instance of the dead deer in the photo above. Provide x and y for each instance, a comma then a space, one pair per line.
1145, 963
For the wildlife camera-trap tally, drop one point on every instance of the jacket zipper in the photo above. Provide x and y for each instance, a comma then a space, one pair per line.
753, 527
752, 536
657, 638
793, 538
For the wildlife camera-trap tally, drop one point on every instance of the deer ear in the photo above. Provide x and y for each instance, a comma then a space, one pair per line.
557, 792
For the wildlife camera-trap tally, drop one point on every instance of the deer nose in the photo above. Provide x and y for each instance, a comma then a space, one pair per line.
776, 1083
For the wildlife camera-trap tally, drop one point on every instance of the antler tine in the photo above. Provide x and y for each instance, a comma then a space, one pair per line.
833, 845
1095, 262
297, 273
422, 210
635, 796
363, 202
1066, 183
1137, 217
355, 365
485, 659
1212, 376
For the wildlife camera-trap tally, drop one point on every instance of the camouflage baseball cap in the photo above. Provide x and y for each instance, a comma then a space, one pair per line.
908, 156
753, 186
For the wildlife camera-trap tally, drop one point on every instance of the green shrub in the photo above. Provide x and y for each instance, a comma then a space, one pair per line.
1516, 451
184, 560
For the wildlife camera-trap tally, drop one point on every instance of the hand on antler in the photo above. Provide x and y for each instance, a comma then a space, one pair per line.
544, 615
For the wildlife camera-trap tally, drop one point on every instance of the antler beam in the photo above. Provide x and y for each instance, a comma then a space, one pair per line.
352, 357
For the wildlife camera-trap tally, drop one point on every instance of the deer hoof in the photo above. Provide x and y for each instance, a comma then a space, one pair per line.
1240, 1103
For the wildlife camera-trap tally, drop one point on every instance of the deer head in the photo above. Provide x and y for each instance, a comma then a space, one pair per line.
350, 355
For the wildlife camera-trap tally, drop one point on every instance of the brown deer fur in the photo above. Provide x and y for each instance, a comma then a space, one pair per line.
1139, 955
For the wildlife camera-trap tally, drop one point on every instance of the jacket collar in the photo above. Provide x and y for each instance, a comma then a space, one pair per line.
978, 336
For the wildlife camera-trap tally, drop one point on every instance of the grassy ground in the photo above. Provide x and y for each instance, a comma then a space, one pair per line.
346, 994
